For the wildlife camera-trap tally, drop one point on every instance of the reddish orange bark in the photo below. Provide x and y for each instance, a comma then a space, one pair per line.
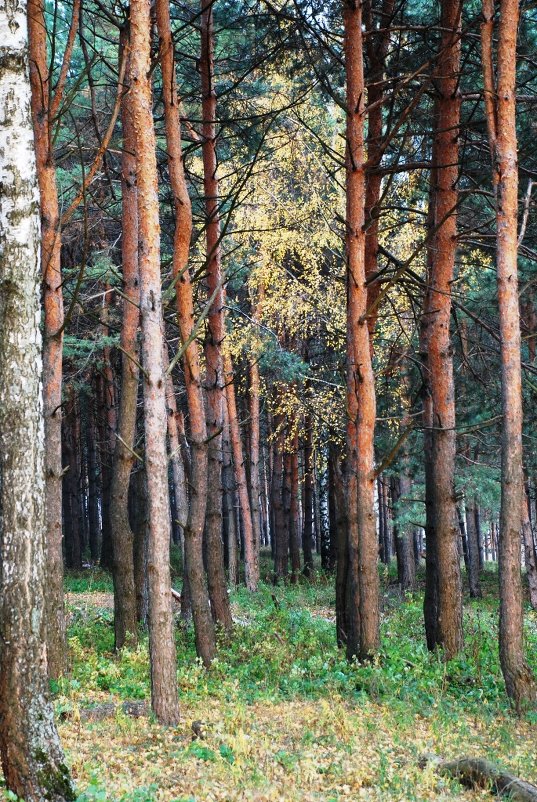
53, 322
201, 613
161, 638
215, 328
500, 109
125, 614
363, 613
439, 355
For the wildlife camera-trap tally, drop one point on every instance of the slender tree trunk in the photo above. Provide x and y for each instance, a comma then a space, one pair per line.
280, 531
214, 382
109, 429
125, 616
501, 120
71, 489
32, 759
53, 333
363, 613
180, 489
197, 583
342, 565
161, 637
529, 552
294, 520
473, 550
139, 521
229, 505
255, 483
93, 490
240, 474
307, 537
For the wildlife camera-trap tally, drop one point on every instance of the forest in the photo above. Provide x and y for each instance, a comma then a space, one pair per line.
268, 381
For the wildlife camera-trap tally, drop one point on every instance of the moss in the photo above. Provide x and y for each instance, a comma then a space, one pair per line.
55, 779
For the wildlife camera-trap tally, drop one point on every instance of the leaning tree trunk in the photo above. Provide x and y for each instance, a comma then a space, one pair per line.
197, 584
125, 617
53, 333
161, 635
215, 328
32, 759
363, 613
501, 120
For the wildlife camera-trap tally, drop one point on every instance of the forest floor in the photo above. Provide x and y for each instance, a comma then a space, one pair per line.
281, 715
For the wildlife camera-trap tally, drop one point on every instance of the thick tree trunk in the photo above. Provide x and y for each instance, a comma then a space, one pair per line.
214, 381
250, 570
363, 613
199, 596
125, 616
161, 636
439, 357
53, 333
32, 760
501, 121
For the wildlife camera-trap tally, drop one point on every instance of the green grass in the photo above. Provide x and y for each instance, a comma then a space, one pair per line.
283, 656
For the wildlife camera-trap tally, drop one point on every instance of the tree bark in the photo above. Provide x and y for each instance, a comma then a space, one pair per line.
240, 475
279, 531
125, 617
255, 483
32, 759
214, 380
501, 121
443, 240
363, 613
161, 635
201, 611
53, 333
307, 536
473, 550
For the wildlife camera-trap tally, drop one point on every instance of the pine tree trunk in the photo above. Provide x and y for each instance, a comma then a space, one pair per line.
93, 490
161, 635
307, 537
255, 483
197, 583
363, 612
229, 505
53, 334
294, 519
251, 574
280, 531
501, 121
180, 486
439, 358
473, 550
125, 617
214, 382
32, 759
